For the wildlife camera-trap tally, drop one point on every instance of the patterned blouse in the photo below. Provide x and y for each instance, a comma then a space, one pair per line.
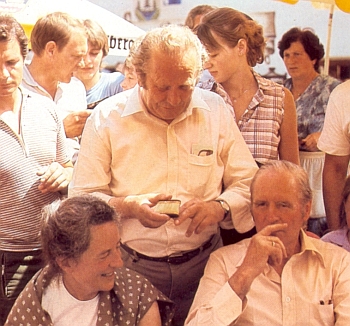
311, 105
115, 307
261, 122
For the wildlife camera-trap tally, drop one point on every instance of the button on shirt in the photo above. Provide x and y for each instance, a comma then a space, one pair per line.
314, 289
126, 151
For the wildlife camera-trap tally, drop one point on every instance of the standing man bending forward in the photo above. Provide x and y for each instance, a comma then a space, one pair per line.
166, 139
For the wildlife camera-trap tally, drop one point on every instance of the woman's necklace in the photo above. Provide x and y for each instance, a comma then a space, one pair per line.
235, 99
295, 93
298, 91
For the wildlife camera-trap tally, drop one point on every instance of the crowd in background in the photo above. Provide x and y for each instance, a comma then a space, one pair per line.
125, 195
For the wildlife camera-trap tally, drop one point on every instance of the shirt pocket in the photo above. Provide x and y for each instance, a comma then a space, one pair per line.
321, 314
200, 169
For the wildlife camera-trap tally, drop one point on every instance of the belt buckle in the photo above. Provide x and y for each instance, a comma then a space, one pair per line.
176, 259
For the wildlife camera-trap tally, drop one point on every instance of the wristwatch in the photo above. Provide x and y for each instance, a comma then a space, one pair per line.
224, 205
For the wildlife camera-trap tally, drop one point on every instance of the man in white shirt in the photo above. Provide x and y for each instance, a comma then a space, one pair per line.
167, 139
280, 276
34, 166
59, 43
335, 142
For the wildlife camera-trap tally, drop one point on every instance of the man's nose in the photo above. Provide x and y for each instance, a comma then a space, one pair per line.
81, 63
4, 73
207, 64
87, 60
272, 214
173, 97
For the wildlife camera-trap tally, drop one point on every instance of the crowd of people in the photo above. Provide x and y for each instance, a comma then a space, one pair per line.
93, 166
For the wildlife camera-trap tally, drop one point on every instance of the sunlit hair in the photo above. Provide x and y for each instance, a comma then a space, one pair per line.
308, 39
57, 27
128, 61
230, 26
200, 10
96, 36
65, 227
10, 29
291, 171
128, 65
345, 195
172, 40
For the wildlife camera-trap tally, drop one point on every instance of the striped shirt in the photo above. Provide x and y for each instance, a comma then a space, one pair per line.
70, 97
40, 142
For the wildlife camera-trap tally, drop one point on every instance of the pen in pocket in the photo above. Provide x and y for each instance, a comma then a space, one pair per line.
327, 302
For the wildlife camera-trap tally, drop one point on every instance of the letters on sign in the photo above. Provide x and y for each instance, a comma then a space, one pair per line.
119, 42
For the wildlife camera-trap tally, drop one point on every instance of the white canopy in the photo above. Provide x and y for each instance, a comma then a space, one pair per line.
121, 33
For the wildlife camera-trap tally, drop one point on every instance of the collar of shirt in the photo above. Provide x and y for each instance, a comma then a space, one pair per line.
263, 85
306, 246
28, 79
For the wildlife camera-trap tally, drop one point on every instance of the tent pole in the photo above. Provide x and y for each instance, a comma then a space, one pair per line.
328, 45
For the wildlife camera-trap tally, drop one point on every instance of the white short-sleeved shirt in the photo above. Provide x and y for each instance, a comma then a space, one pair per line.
335, 137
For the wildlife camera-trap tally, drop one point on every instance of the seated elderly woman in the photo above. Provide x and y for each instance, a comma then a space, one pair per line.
84, 282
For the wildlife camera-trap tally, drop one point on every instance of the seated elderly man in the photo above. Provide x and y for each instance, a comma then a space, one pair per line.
280, 276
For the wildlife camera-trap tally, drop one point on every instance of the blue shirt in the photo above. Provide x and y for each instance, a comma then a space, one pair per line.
108, 85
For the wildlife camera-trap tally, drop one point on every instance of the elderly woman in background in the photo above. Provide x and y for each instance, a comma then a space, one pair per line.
264, 110
302, 51
84, 282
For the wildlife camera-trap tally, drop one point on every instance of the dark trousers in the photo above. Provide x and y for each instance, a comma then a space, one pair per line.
317, 225
231, 236
17, 268
177, 281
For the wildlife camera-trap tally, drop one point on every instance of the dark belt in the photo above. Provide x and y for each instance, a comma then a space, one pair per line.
11, 258
16, 254
175, 259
